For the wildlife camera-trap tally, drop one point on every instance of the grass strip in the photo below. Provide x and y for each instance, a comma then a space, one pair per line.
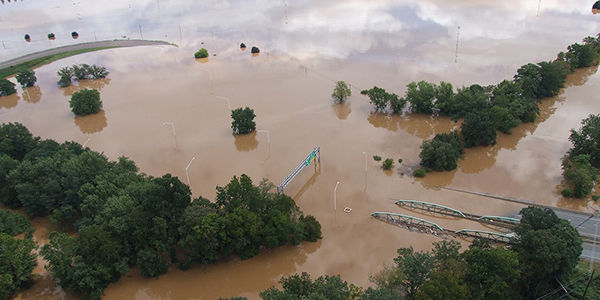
37, 62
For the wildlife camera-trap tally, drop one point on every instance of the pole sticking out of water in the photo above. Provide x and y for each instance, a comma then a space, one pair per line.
539, 5
186, 170
457, 41
141, 34
3, 45
95, 38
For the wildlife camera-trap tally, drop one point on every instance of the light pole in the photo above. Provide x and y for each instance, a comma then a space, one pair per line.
172, 126
186, 170
365, 154
86, 142
335, 196
226, 99
268, 136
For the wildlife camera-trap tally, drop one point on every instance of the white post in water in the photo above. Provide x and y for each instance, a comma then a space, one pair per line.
268, 136
172, 126
85, 143
186, 170
224, 98
335, 196
365, 154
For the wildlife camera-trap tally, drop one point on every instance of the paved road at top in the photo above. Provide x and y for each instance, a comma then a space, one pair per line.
81, 46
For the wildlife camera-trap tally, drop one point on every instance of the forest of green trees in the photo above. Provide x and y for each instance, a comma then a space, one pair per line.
485, 109
124, 218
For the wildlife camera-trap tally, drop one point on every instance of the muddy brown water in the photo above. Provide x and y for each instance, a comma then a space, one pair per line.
305, 47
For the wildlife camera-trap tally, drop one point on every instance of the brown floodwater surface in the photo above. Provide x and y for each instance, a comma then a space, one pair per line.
306, 47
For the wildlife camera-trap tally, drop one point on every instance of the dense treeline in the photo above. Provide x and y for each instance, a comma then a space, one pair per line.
544, 251
581, 164
17, 259
486, 110
124, 218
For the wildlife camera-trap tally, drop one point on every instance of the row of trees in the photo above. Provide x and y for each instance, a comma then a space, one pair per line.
489, 109
124, 218
24, 78
541, 259
80, 72
581, 164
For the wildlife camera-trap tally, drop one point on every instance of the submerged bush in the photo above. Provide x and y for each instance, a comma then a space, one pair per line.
388, 164
255, 50
376, 157
6, 87
419, 173
85, 102
202, 53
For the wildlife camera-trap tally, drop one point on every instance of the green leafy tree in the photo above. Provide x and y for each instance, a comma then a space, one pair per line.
421, 96
468, 99
503, 120
16, 140
581, 56
510, 96
302, 287
554, 75
492, 273
341, 91
529, 78
380, 98
6, 88
85, 102
442, 285
97, 72
17, 261
478, 129
8, 194
586, 140
442, 152
26, 78
579, 174
243, 120
444, 95
388, 164
416, 267
81, 71
202, 53
13, 223
548, 248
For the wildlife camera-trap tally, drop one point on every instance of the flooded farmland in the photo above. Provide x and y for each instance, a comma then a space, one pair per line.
162, 108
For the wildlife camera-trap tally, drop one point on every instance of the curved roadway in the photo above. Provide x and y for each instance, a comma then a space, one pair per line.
81, 46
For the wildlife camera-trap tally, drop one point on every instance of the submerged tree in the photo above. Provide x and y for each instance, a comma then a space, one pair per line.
6, 87
85, 102
341, 91
243, 120
26, 78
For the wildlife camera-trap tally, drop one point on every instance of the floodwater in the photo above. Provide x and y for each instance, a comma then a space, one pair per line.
305, 47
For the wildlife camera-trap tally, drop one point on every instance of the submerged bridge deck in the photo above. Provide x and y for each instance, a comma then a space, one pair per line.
426, 226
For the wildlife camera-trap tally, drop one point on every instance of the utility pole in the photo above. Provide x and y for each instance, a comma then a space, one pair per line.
3, 45
539, 5
457, 41
142, 35
588, 284
95, 38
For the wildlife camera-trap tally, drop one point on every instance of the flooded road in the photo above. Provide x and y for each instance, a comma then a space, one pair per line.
305, 47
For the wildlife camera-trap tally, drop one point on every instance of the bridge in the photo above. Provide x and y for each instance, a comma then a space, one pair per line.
433, 208
435, 229
588, 225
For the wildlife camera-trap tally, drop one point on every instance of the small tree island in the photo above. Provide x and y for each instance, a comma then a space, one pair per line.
341, 91
85, 102
243, 120
202, 53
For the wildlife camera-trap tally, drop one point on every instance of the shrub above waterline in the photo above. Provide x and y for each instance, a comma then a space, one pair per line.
202, 53
85, 102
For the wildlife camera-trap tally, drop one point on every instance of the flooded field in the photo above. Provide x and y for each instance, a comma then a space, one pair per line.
305, 47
